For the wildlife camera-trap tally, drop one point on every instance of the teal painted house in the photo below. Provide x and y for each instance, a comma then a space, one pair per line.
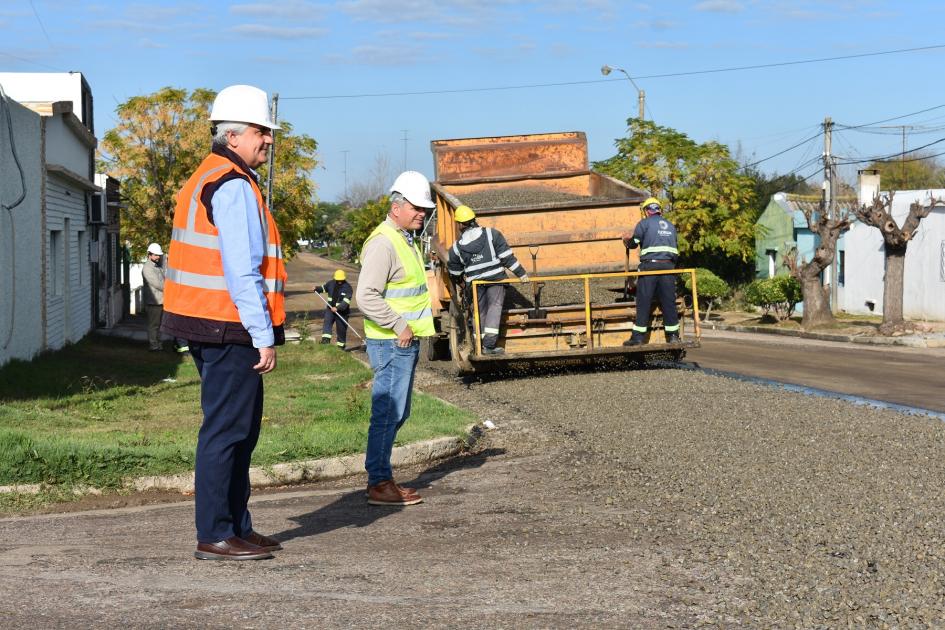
782, 227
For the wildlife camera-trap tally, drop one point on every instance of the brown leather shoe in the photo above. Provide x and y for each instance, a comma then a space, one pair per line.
266, 542
233, 548
387, 493
405, 492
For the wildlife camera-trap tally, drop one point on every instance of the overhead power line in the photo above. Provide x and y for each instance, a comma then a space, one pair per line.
591, 81
899, 156
791, 148
921, 111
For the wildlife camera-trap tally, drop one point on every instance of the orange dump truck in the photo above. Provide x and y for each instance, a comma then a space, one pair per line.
564, 223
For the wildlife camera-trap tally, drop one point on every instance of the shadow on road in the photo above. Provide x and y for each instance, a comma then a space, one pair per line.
352, 510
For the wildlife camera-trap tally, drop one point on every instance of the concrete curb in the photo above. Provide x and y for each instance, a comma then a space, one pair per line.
294, 472
913, 341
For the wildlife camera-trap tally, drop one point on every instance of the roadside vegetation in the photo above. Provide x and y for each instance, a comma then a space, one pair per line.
102, 411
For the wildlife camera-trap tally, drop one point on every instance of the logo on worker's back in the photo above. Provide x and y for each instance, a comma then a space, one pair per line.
664, 225
475, 258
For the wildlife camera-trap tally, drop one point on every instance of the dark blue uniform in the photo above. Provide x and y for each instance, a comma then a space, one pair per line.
338, 294
656, 238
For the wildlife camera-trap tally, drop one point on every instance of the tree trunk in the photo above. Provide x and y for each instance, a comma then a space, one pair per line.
816, 303
893, 289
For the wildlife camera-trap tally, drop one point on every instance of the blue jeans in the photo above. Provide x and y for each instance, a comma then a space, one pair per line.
390, 401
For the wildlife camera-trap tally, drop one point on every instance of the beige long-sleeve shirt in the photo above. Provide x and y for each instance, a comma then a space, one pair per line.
380, 264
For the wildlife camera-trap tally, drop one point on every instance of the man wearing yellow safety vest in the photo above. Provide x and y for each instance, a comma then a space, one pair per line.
393, 297
224, 294
656, 238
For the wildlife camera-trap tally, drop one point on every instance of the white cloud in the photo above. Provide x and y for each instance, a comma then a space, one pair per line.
294, 9
146, 42
719, 6
667, 45
656, 25
371, 55
279, 32
452, 12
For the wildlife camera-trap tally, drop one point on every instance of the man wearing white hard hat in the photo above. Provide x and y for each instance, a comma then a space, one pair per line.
393, 297
224, 294
152, 273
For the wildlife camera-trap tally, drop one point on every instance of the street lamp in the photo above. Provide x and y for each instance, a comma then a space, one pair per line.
641, 95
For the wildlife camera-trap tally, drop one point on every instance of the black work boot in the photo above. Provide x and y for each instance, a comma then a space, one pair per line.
636, 339
325, 340
672, 337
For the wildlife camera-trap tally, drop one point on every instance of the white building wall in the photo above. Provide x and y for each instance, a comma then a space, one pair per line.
65, 149
46, 87
924, 275
21, 236
69, 291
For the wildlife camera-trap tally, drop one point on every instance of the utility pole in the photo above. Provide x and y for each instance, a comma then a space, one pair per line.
405, 147
641, 103
830, 199
274, 117
345, 153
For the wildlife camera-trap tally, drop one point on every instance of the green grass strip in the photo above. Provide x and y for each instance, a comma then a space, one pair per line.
101, 411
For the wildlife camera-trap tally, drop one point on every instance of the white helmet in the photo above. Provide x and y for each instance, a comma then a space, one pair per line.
242, 104
415, 187
155, 249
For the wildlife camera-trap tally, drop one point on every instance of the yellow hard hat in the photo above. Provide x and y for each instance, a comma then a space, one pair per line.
464, 214
340, 274
650, 202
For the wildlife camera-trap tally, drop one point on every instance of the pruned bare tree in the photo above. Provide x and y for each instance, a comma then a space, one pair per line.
816, 295
374, 185
895, 242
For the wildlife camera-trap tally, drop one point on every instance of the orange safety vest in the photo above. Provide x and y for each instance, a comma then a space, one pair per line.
194, 284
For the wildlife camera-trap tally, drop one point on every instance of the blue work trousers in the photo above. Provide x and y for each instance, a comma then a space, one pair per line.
231, 396
332, 319
394, 369
663, 288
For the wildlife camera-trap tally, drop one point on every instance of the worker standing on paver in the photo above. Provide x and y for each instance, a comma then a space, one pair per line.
393, 297
337, 294
656, 238
224, 293
483, 254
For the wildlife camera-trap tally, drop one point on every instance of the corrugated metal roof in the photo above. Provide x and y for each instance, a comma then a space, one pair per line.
795, 205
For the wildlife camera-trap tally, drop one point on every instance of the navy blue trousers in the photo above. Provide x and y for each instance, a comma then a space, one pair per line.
231, 396
332, 319
663, 288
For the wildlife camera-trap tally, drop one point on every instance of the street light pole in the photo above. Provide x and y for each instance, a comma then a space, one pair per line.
641, 95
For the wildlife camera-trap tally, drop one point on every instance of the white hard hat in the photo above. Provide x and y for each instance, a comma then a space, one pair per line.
155, 249
243, 104
415, 187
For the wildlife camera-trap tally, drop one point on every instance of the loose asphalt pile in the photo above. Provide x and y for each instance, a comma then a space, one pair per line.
519, 196
764, 507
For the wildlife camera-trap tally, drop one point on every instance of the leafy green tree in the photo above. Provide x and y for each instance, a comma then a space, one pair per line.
777, 296
916, 171
711, 289
361, 222
321, 225
707, 197
160, 139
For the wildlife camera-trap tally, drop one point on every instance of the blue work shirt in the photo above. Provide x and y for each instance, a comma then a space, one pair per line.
242, 248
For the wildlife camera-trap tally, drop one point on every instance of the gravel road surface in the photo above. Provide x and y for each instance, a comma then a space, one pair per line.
656, 498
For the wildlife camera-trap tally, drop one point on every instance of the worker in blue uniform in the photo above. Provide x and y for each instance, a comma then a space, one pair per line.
656, 238
337, 295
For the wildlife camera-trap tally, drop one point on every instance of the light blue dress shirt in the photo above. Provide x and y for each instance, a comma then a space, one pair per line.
242, 247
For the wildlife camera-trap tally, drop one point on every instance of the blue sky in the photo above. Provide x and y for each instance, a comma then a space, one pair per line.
335, 50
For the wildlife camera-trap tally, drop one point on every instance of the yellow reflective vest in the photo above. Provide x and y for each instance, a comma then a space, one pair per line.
408, 297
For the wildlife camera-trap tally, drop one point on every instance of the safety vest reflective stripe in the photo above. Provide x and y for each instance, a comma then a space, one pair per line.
216, 283
658, 248
212, 241
411, 292
408, 297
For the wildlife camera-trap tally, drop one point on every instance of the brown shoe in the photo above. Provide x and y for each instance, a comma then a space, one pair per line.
406, 492
233, 548
267, 543
387, 493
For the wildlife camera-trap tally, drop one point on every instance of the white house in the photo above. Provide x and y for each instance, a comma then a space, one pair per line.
924, 275
48, 283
